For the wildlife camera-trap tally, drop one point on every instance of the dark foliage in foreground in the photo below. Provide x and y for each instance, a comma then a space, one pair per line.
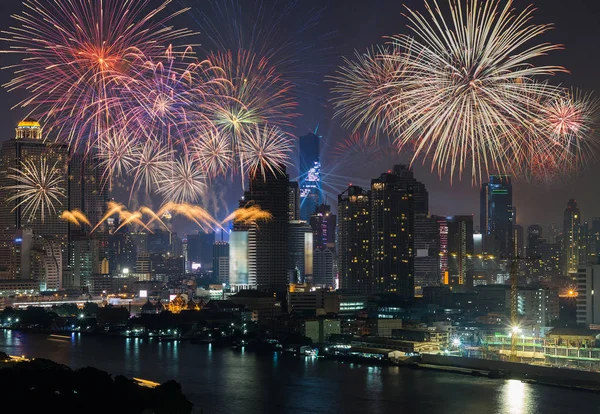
42, 386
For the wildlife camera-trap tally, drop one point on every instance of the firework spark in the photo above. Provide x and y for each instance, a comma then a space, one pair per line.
39, 189
116, 155
265, 149
185, 182
75, 217
77, 56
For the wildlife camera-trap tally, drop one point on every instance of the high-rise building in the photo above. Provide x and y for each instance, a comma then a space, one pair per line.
29, 145
460, 248
427, 252
84, 261
354, 241
395, 198
309, 170
588, 286
294, 201
585, 244
221, 261
518, 246
238, 259
571, 233
323, 224
300, 251
46, 263
534, 240
496, 216
268, 240
537, 305
595, 240
200, 249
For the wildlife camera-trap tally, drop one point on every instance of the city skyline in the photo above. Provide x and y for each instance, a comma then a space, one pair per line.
458, 198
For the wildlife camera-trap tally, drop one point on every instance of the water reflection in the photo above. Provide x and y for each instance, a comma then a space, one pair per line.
515, 397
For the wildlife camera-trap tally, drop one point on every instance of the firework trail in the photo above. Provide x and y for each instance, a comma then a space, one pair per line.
248, 215
75, 217
265, 149
154, 217
40, 187
76, 56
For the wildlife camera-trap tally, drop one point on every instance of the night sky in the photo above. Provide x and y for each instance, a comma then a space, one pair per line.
324, 31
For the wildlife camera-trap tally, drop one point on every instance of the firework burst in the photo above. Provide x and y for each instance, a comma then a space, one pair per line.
116, 155
39, 189
465, 87
213, 152
185, 183
265, 149
153, 163
77, 54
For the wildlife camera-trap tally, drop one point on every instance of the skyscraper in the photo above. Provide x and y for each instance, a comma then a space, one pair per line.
571, 233
268, 241
221, 261
323, 224
427, 252
294, 201
460, 248
496, 218
29, 145
309, 170
300, 251
200, 249
518, 247
393, 206
354, 241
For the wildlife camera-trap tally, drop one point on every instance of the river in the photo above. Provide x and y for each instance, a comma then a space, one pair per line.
226, 381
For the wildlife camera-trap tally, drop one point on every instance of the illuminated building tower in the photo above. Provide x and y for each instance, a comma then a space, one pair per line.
46, 263
30, 146
323, 224
588, 304
238, 259
460, 248
221, 261
396, 197
294, 201
88, 194
354, 241
571, 233
200, 250
427, 252
309, 170
518, 247
585, 241
268, 240
300, 251
496, 218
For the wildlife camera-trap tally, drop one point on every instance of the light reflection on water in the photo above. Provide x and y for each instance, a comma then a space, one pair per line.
220, 380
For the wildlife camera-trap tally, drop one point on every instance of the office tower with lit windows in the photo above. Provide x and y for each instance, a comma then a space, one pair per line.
427, 252
300, 251
268, 240
460, 248
294, 201
309, 171
221, 262
571, 234
323, 223
588, 304
392, 213
29, 145
518, 246
354, 241
496, 216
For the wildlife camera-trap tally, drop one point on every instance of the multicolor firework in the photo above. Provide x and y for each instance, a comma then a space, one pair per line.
115, 154
185, 182
40, 188
77, 54
265, 149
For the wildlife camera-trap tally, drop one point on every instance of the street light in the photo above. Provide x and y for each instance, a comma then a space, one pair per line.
456, 342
